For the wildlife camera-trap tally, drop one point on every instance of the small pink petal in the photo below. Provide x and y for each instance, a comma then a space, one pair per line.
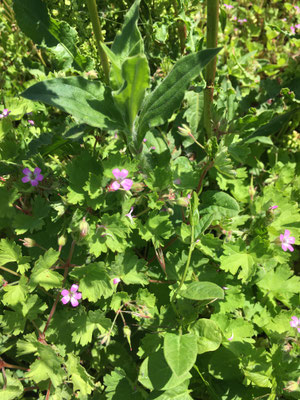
116, 173
291, 248
231, 337
286, 233
26, 171
74, 288
65, 299
274, 207
34, 182
64, 292
115, 185
123, 173
281, 237
25, 179
77, 296
291, 240
284, 247
74, 302
37, 171
127, 183
116, 281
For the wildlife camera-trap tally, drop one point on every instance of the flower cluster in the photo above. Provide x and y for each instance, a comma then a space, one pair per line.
71, 295
33, 177
5, 113
120, 180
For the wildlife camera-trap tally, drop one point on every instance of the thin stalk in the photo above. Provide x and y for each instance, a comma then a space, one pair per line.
212, 392
181, 28
210, 71
92, 6
192, 246
10, 271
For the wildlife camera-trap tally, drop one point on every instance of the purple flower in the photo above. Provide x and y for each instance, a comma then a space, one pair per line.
287, 241
121, 181
32, 177
295, 323
5, 113
129, 215
31, 122
71, 295
116, 281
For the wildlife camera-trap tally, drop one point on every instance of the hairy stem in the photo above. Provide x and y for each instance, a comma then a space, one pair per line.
92, 6
210, 71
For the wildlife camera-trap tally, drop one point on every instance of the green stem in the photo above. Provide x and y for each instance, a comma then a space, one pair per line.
210, 71
92, 6
181, 28
9, 270
192, 246
212, 392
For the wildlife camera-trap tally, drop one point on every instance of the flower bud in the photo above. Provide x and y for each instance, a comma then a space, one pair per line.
292, 386
84, 227
127, 334
184, 130
182, 201
62, 240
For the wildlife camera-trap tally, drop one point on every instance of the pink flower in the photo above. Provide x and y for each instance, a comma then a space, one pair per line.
297, 26
273, 207
284, 19
228, 6
292, 28
31, 122
295, 323
152, 148
234, 18
177, 181
121, 181
32, 177
116, 281
297, 8
71, 295
129, 215
145, 140
5, 113
287, 241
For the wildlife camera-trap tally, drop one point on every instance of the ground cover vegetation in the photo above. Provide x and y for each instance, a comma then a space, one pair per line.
149, 188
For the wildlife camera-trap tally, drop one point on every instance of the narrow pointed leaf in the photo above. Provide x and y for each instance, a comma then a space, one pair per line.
136, 75
167, 97
89, 101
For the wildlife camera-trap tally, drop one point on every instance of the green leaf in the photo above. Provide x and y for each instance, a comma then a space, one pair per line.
130, 268
135, 74
94, 281
42, 274
180, 352
81, 380
155, 373
209, 335
16, 294
220, 204
194, 112
47, 366
87, 323
23, 222
89, 101
14, 388
202, 291
167, 97
9, 252
178, 393
33, 18
235, 256
156, 228
118, 386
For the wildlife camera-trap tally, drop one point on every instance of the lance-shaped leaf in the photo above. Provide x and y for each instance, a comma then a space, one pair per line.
33, 18
89, 101
167, 97
135, 74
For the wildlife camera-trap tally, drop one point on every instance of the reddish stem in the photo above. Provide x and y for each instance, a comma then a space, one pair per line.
205, 170
48, 391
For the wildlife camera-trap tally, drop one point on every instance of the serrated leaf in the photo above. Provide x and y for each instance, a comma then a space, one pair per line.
180, 352
14, 388
81, 380
9, 251
94, 281
47, 366
42, 274
89, 101
87, 323
23, 222
15, 294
